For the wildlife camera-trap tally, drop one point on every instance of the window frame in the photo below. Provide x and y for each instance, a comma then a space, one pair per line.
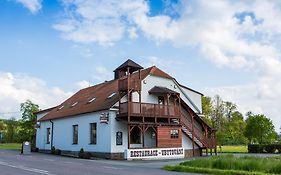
174, 133
75, 135
93, 137
48, 131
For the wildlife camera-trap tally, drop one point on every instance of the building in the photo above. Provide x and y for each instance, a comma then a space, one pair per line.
140, 114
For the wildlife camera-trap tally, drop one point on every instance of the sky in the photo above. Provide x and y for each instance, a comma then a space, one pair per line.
49, 49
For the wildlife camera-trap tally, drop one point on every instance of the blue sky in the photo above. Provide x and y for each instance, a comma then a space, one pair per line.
50, 49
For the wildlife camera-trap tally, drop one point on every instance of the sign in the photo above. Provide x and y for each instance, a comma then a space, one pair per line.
104, 118
155, 153
119, 138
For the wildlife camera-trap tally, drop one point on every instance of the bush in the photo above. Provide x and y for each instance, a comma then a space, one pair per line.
84, 155
278, 147
270, 148
57, 152
53, 149
255, 148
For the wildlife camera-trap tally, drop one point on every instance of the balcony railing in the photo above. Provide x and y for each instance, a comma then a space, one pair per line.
134, 84
150, 110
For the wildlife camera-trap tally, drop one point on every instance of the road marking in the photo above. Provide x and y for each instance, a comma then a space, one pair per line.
111, 167
26, 168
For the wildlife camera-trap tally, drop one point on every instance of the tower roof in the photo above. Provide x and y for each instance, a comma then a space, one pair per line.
129, 63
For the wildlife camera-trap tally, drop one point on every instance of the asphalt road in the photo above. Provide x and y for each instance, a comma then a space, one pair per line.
12, 163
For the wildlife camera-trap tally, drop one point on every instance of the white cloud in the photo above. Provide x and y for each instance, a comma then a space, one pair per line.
82, 84
32, 5
101, 74
241, 35
17, 88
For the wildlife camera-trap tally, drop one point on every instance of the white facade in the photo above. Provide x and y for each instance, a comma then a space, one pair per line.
106, 133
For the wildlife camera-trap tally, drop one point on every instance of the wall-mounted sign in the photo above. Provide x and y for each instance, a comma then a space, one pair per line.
119, 138
104, 118
155, 153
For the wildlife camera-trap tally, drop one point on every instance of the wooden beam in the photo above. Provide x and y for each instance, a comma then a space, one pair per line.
193, 142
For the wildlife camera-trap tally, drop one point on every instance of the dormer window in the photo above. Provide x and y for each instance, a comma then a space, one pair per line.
111, 95
74, 104
61, 107
91, 100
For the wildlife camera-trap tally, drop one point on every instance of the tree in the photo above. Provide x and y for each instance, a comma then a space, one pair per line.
9, 133
259, 129
230, 108
218, 113
27, 123
207, 109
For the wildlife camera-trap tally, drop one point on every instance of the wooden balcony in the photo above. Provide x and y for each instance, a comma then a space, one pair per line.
149, 110
134, 84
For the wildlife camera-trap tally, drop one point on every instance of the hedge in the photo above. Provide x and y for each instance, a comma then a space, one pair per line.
264, 148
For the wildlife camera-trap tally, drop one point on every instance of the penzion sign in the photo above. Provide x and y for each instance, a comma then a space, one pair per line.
155, 153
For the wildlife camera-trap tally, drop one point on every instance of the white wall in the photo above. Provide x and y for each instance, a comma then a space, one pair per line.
63, 133
118, 126
195, 97
190, 98
187, 142
41, 135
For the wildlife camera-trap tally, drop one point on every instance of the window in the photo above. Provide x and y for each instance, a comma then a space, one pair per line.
74, 104
161, 100
93, 133
111, 95
75, 134
135, 135
48, 135
91, 100
174, 134
61, 107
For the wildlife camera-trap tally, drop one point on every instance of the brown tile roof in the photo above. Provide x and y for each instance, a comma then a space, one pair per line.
161, 90
100, 92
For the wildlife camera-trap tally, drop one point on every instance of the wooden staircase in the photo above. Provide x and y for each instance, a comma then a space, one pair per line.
204, 142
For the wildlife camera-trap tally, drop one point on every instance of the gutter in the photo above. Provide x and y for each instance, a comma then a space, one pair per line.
190, 101
52, 133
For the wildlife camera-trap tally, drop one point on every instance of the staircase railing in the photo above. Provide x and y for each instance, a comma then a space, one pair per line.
206, 142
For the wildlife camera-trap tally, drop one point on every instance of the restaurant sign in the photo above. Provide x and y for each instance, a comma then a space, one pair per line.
154, 153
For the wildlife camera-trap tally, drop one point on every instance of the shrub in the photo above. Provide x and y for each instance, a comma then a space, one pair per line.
57, 152
270, 148
53, 149
84, 155
278, 147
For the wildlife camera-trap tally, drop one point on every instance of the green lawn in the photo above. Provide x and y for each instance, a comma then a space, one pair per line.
10, 146
233, 149
230, 165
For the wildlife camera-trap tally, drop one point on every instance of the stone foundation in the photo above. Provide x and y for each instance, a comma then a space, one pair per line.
114, 156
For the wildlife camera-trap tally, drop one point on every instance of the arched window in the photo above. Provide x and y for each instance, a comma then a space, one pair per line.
135, 136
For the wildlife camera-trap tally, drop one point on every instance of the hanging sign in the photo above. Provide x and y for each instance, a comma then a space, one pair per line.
104, 118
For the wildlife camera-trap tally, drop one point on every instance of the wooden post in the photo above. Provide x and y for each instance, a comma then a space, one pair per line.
193, 144
128, 101
143, 131
168, 105
129, 135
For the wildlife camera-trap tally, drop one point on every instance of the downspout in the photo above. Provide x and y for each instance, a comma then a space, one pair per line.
52, 133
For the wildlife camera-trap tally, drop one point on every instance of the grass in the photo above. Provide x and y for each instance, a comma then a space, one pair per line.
233, 149
230, 165
15, 146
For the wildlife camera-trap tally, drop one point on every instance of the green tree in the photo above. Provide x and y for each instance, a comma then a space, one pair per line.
259, 129
207, 109
26, 129
10, 130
